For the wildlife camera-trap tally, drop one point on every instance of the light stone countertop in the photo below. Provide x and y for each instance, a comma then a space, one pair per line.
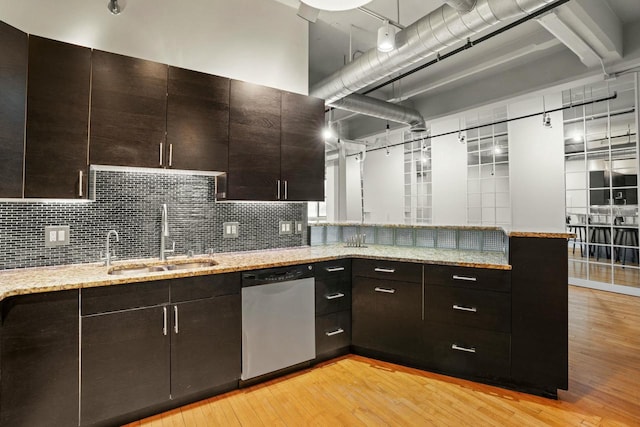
45, 279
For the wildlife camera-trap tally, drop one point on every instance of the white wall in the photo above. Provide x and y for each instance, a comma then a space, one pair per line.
353, 193
259, 41
384, 186
536, 161
449, 165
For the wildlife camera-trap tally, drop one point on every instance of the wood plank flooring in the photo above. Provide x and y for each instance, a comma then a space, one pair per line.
604, 386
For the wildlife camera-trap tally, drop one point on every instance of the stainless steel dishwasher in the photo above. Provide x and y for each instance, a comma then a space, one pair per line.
278, 319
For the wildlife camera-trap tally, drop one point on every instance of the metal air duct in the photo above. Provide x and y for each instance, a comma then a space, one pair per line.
462, 6
382, 109
427, 36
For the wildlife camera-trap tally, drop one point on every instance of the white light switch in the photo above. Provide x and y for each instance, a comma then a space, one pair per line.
285, 227
56, 235
53, 236
230, 230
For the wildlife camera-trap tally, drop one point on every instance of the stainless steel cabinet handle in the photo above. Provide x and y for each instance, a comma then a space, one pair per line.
286, 189
175, 318
164, 327
467, 278
463, 308
467, 349
170, 154
278, 189
336, 332
385, 270
161, 150
334, 269
334, 296
385, 291
80, 189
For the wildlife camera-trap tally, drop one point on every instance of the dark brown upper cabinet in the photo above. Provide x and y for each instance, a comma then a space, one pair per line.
57, 119
128, 111
14, 51
254, 143
302, 147
197, 121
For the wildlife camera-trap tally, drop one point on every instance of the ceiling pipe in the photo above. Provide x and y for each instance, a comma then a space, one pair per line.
462, 6
383, 110
427, 36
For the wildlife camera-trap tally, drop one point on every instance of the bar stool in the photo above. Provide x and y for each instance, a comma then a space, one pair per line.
599, 234
579, 231
626, 236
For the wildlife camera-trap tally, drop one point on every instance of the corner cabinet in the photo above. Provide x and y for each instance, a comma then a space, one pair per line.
57, 119
39, 360
128, 111
276, 151
14, 51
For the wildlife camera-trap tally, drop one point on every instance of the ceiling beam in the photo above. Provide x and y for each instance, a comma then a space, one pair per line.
563, 32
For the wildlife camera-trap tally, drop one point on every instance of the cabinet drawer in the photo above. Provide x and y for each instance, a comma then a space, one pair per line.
469, 307
332, 294
333, 332
198, 287
469, 351
388, 270
468, 277
123, 297
340, 268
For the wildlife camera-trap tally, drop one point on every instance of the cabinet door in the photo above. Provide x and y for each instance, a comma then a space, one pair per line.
128, 111
387, 316
254, 143
14, 50
125, 362
39, 360
302, 147
205, 344
57, 119
197, 121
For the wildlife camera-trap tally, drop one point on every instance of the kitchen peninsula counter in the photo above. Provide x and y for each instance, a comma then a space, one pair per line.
46, 279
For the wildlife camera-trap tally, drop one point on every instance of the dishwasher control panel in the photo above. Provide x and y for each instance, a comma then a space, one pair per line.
273, 275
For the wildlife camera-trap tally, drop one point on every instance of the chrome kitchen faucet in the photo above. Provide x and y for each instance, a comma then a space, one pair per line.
108, 257
164, 233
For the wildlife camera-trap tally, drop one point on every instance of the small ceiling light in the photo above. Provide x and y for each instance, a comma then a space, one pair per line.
546, 120
386, 37
461, 138
114, 7
335, 5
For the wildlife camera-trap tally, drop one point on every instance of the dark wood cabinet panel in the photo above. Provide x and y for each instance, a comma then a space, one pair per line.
125, 363
388, 270
302, 147
14, 51
104, 299
387, 316
254, 142
197, 120
468, 277
333, 286
39, 360
57, 119
540, 301
199, 287
333, 332
128, 111
205, 344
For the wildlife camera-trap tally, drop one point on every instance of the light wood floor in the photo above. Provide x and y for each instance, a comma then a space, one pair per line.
604, 387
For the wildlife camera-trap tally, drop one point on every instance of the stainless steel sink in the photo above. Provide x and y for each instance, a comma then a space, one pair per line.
173, 266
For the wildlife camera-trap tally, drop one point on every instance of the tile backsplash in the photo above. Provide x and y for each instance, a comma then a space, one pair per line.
129, 202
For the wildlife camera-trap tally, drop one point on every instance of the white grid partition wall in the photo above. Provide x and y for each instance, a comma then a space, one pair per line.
418, 190
488, 199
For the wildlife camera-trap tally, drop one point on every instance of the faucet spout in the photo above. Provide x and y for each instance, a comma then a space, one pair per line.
164, 233
108, 256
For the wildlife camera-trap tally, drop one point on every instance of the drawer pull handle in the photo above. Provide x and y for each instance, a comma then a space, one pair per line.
334, 296
466, 278
164, 321
463, 308
334, 269
385, 270
459, 348
336, 332
385, 290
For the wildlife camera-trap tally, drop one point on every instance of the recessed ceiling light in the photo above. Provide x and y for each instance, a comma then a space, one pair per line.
335, 5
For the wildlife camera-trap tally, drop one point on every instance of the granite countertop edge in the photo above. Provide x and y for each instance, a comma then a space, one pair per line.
79, 276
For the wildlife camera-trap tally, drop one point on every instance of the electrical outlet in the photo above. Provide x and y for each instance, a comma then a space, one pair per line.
56, 235
230, 230
286, 227
298, 227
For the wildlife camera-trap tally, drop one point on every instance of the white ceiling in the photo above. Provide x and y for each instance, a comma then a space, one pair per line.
336, 36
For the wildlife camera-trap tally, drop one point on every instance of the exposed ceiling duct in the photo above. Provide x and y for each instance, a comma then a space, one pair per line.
382, 109
462, 6
432, 33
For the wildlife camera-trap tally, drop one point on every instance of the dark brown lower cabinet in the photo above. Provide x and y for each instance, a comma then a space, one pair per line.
39, 360
125, 362
205, 344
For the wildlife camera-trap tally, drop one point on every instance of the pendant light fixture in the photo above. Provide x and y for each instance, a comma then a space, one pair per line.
114, 7
335, 5
386, 37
